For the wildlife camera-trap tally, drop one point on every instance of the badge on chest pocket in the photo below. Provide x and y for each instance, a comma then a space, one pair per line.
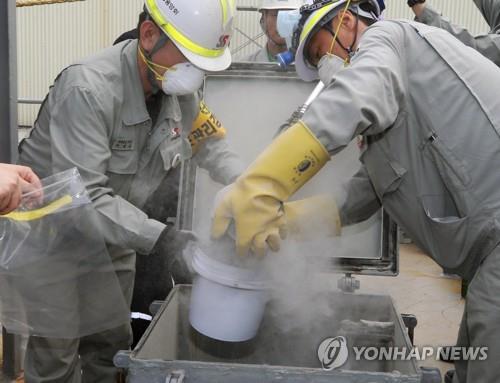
123, 144
124, 158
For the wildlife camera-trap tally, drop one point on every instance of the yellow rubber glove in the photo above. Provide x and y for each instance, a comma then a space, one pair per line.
313, 218
255, 199
205, 126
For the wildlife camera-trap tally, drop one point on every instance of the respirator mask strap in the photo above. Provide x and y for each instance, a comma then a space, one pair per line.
162, 41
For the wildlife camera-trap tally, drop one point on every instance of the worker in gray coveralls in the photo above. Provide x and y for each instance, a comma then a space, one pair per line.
268, 22
487, 44
428, 109
124, 117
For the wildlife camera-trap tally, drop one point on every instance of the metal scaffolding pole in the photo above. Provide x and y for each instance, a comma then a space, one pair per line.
8, 86
29, 3
8, 139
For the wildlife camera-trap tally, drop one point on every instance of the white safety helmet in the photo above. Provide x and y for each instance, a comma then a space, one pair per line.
316, 18
280, 4
201, 29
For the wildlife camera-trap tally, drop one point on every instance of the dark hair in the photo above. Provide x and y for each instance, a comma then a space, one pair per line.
129, 35
142, 18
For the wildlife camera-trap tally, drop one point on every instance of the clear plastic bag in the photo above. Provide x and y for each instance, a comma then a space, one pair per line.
56, 276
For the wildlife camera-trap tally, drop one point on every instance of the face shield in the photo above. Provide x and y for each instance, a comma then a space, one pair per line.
286, 24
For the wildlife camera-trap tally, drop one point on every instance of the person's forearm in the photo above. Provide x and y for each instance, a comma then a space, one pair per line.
124, 225
223, 165
487, 44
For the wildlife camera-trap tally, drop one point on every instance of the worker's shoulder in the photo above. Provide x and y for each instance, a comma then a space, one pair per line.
395, 28
394, 33
404, 28
101, 73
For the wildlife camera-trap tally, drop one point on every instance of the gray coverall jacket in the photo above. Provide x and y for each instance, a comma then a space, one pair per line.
95, 118
487, 44
429, 110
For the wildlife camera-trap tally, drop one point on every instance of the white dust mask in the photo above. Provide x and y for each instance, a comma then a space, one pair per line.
181, 79
328, 66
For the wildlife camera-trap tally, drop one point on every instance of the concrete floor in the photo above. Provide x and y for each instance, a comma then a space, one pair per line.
422, 290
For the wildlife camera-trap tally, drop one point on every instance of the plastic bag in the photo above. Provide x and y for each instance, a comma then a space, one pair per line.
56, 276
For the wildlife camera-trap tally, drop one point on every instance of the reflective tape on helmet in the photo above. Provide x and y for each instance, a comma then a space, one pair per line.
178, 36
224, 10
311, 23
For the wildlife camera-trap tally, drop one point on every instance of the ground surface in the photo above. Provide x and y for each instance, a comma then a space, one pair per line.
422, 290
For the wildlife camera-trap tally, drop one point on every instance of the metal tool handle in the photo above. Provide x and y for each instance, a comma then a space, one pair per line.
297, 114
315, 93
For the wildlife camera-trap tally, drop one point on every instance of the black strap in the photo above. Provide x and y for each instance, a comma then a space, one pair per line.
159, 44
349, 49
411, 3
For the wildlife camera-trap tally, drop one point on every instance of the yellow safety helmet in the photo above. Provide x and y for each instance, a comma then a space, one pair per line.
201, 29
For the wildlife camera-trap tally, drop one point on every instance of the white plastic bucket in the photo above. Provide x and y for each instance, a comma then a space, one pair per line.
227, 302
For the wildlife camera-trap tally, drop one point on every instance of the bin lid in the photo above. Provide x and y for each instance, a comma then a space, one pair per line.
253, 100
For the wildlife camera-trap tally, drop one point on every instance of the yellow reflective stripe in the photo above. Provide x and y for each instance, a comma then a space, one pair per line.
39, 213
314, 19
227, 12
190, 45
183, 40
312, 22
224, 11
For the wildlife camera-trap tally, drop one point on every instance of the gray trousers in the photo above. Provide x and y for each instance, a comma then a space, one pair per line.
88, 359
480, 326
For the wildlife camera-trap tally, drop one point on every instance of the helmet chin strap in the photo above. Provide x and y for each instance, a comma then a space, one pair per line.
349, 49
151, 75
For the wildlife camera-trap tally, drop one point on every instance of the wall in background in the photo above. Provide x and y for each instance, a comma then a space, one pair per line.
52, 36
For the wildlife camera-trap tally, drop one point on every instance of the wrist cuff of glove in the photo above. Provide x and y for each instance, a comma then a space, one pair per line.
411, 3
161, 239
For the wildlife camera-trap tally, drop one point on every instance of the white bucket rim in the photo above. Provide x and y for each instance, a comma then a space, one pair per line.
228, 275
